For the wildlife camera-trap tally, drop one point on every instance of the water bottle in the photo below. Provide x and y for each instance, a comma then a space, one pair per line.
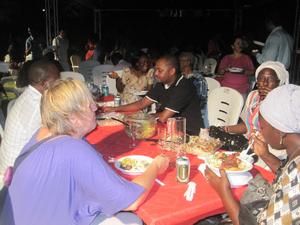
104, 89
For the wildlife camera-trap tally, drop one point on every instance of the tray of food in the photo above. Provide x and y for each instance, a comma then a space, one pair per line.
201, 146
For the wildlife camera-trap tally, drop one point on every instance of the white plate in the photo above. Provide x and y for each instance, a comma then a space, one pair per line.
235, 70
236, 180
136, 170
141, 93
248, 165
259, 43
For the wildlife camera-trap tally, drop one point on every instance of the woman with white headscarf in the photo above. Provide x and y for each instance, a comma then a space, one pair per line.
280, 127
269, 75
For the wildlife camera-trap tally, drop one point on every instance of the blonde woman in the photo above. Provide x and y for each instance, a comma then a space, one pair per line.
65, 180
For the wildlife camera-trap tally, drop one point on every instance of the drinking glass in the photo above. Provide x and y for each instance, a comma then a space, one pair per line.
134, 129
176, 130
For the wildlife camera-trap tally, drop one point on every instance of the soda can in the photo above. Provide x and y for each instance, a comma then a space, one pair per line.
117, 101
183, 169
105, 90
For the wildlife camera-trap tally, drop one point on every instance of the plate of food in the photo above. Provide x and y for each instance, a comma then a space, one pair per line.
235, 70
236, 180
201, 146
133, 164
237, 169
231, 162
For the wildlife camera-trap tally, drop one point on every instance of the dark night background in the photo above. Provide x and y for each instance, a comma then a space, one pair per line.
144, 23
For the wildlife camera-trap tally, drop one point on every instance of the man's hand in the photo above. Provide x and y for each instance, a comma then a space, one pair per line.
108, 109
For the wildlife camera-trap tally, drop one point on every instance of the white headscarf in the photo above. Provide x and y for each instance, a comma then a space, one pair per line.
281, 108
278, 67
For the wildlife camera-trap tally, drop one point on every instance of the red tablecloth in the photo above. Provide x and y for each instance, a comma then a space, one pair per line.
165, 205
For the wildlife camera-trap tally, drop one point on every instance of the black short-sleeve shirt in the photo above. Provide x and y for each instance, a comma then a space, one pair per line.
181, 98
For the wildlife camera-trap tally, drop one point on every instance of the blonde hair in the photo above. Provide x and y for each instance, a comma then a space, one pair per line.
62, 98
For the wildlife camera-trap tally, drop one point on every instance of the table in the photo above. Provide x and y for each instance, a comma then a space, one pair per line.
165, 205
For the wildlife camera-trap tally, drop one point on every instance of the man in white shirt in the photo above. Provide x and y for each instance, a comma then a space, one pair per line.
60, 46
24, 117
279, 44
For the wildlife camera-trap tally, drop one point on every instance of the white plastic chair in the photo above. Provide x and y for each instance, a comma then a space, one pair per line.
100, 73
209, 66
224, 106
212, 84
86, 68
69, 74
111, 83
4, 67
75, 61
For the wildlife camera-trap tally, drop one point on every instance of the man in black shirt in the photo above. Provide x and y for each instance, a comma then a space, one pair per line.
174, 94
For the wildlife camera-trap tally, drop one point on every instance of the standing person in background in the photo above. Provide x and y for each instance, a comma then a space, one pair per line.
279, 44
60, 46
236, 68
33, 48
93, 49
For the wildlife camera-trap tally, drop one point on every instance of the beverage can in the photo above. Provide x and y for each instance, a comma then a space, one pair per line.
117, 101
183, 169
105, 90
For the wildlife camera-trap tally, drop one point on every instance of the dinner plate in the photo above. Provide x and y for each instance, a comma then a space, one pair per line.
210, 161
141, 162
236, 180
235, 70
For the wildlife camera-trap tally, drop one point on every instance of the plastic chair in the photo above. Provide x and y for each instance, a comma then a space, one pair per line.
75, 75
4, 67
209, 66
75, 61
111, 83
9, 87
211, 84
86, 68
100, 73
224, 106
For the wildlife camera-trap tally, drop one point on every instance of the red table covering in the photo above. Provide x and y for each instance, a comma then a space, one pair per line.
165, 205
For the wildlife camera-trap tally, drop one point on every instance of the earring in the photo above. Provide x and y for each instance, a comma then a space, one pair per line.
281, 140
282, 135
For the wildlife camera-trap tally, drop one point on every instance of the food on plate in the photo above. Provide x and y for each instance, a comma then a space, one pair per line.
201, 146
129, 164
229, 161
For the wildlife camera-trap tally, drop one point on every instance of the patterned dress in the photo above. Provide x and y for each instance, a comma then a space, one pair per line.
284, 205
134, 84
